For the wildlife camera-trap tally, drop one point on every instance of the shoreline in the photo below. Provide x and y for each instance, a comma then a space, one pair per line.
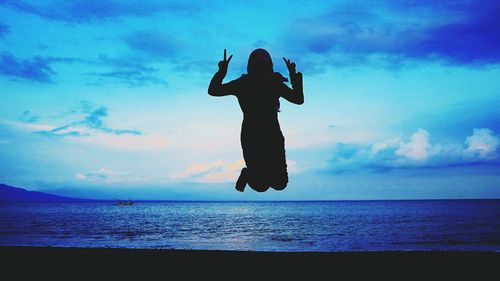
236, 252
86, 200
119, 259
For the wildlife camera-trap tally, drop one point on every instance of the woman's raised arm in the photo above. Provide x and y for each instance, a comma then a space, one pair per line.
296, 94
216, 88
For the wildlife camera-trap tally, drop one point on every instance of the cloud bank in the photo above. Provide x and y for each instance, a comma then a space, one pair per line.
480, 148
92, 123
92, 129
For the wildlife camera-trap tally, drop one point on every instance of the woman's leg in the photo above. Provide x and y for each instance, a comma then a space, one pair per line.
242, 181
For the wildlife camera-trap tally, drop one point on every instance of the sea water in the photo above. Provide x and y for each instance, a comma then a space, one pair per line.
451, 225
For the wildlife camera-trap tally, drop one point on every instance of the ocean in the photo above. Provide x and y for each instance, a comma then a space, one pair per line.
448, 225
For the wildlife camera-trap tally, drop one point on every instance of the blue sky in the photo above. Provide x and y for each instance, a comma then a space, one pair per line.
108, 99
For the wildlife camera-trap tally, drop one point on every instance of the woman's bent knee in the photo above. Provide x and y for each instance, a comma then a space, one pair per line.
279, 186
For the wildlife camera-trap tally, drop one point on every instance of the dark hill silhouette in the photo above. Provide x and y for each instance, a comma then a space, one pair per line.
16, 194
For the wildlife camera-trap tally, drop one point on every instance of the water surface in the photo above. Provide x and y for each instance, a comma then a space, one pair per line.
260, 226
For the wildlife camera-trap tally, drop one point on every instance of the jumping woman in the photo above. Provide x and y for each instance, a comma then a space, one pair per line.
258, 94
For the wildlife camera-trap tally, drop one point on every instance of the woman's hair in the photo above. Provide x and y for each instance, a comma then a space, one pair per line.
260, 63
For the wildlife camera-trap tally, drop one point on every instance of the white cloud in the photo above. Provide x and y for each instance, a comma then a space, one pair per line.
418, 148
482, 144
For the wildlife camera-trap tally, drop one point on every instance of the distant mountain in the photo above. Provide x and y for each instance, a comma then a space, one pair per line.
15, 194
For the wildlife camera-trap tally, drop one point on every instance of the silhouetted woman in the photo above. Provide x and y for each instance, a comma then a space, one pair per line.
258, 94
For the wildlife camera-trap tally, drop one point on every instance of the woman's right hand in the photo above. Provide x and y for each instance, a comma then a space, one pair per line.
223, 64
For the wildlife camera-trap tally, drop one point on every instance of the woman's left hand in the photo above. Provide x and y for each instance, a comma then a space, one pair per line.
291, 67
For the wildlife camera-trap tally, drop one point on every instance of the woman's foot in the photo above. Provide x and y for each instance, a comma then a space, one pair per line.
241, 183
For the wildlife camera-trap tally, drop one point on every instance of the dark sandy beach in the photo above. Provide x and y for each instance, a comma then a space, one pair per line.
50, 261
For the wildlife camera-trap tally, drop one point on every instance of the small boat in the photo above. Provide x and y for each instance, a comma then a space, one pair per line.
124, 202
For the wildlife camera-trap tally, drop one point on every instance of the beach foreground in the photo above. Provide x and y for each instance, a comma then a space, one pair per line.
53, 260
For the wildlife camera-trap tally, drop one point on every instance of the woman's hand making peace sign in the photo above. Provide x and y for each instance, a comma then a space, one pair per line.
295, 77
223, 64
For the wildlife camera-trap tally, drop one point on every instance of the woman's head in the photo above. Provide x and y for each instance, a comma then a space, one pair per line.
260, 63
